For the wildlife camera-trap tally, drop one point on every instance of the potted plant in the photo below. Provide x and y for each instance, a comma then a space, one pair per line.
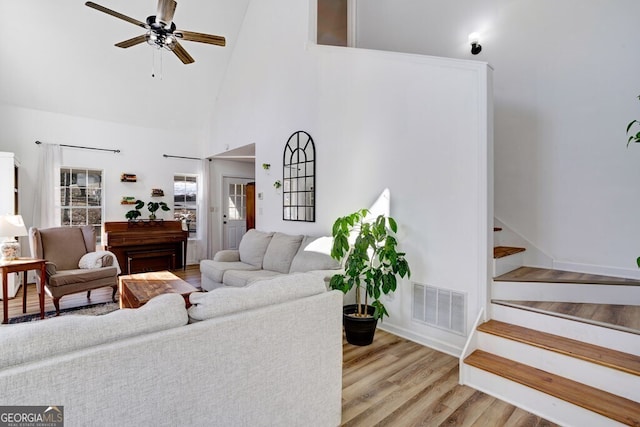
372, 265
135, 213
154, 206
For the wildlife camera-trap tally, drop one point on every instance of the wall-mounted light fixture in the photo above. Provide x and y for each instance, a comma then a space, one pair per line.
474, 39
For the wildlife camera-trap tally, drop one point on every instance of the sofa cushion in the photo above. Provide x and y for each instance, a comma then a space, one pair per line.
253, 246
239, 278
25, 342
81, 275
223, 301
215, 269
314, 254
280, 252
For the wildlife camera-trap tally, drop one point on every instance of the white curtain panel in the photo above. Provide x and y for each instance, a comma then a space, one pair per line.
204, 201
45, 212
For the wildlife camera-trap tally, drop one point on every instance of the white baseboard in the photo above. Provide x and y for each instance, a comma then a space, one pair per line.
422, 340
603, 270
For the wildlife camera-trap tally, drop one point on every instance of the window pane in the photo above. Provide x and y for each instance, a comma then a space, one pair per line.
65, 217
94, 196
79, 177
78, 216
65, 177
94, 216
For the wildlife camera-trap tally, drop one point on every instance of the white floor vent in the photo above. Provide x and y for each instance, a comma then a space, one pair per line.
441, 308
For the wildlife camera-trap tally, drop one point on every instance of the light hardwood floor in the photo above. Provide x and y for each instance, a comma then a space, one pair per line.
395, 382
392, 382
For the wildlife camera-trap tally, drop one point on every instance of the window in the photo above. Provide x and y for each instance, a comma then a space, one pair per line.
237, 202
185, 201
80, 200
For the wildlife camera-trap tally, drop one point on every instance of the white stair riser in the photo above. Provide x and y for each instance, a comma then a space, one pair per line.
507, 263
496, 239
598, 376
565, 292
555, 410
604, 337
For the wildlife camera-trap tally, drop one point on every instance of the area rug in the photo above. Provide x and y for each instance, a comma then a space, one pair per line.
87, 310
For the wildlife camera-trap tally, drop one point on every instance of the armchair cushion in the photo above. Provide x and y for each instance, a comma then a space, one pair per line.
81, 275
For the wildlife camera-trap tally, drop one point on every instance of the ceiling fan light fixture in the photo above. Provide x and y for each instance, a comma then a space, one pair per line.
161, 31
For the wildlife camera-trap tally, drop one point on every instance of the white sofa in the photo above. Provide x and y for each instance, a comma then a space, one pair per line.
269, 354
262, 255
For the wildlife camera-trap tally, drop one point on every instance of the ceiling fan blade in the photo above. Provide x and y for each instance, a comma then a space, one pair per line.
132, 42
200, 37
182, 54
116, 14
166, 9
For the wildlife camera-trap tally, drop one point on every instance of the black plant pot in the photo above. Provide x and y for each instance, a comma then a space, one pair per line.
359, 330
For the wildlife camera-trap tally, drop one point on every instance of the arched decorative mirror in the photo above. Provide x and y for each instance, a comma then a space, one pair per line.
299, 175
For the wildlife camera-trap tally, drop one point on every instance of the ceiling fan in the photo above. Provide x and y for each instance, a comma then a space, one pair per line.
161, 30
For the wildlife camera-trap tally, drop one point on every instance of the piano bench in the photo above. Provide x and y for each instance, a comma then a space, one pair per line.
150, 260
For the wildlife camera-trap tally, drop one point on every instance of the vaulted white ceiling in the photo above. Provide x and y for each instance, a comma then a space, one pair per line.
59, 56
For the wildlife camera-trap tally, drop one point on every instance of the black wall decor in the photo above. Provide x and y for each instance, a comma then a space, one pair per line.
299, 178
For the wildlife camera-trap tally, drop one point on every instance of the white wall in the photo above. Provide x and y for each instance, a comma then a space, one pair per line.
566, 81
415, 125
141, 154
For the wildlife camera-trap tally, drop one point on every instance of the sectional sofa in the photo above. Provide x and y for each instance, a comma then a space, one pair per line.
263, 255
268, 354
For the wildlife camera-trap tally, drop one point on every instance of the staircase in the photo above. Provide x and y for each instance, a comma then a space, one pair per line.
567, 369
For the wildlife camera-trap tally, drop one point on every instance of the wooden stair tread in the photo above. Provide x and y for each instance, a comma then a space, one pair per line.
607, 404
625, 362
535, 274
503, 251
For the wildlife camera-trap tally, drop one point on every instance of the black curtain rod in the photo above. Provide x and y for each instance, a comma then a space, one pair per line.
180, 157
84, 148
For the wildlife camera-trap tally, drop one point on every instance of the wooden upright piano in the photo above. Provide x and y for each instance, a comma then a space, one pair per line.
142, 246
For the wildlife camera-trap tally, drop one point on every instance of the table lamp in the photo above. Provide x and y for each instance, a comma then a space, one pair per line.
10, 227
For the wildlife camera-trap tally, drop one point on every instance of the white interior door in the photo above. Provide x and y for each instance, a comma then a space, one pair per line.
234, 211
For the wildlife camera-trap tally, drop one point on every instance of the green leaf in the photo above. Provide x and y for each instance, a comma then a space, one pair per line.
631, 124
393, 225
638, 261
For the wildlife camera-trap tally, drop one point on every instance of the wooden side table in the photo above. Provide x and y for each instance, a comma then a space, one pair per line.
22, 265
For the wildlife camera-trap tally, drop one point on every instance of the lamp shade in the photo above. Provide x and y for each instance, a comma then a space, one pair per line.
12, 226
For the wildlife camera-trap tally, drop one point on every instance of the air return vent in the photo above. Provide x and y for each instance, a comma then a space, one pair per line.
441, 308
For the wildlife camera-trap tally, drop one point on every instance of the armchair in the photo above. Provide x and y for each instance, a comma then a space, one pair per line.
63, 247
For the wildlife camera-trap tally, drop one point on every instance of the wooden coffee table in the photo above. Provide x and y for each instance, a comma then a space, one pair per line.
137, 289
